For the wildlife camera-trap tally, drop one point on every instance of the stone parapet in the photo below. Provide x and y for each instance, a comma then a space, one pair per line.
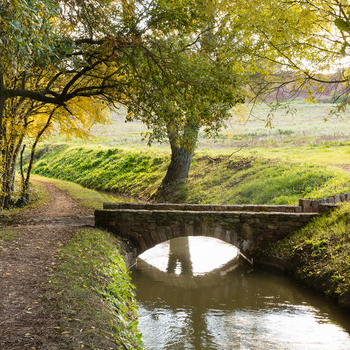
323, 205
205, 207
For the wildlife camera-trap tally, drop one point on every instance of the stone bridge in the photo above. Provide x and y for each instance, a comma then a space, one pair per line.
249, 227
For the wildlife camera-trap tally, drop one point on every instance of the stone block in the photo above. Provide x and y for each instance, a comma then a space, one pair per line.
155, 237
142, 244
326, 207
297, 209
189, 230
169, 232
305, 205
314, 206
218, 232
162, 235
330, 200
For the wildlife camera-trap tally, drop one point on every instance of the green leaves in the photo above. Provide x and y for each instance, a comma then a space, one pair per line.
29, 33
342, 24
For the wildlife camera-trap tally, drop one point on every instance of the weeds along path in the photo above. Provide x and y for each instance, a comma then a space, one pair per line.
27, 320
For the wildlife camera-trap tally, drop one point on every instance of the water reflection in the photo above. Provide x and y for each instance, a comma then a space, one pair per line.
231, 307
179, 253
190, 255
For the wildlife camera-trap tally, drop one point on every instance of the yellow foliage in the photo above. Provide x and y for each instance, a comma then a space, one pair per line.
73, 120
236, 124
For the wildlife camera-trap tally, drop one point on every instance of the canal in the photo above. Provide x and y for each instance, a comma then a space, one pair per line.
197, 293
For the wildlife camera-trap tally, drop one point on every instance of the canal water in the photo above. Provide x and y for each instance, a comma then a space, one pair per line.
196, 293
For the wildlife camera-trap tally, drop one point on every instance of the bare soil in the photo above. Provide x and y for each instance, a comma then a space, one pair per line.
27, 316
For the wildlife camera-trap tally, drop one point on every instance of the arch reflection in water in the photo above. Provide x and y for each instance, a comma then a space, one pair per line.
230, 307
190, 255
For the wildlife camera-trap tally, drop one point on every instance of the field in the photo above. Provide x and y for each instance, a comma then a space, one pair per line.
299, 124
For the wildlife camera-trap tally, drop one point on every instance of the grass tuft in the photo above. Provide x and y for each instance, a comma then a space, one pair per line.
8, 235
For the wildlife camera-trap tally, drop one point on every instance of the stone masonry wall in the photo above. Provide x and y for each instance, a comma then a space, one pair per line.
248, 227
248, 231
322, 205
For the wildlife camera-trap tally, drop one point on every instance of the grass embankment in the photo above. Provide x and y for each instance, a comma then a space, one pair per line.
319, 255
217, 179
91, 285
92, 289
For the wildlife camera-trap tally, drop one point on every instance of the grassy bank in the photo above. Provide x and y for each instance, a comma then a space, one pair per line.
88, 198
135, 173
91, 287
219, 178
319, 255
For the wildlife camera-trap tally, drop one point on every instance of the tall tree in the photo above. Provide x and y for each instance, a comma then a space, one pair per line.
88, 50
199, 92
178, 64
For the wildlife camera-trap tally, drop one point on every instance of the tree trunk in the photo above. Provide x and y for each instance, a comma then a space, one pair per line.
181, 156
26, 180
179, 166
10, 155
2, 107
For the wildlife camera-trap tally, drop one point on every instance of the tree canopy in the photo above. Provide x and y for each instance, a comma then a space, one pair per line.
177, 65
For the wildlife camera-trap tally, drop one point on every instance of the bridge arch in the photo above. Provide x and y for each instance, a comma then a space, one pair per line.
249, 228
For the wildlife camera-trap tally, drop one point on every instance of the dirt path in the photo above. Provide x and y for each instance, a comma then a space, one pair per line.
25, 266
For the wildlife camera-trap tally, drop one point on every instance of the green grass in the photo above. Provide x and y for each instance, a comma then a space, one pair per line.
250, 180
92, 291
7, 235
320, 254
301, 123
329, 153
135, 173
88, 198
223, 179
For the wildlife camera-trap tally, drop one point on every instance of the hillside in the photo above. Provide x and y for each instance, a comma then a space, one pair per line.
221, 179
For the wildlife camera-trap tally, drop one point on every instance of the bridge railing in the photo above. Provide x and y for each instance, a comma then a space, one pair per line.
323, 205
205, 207
305, 206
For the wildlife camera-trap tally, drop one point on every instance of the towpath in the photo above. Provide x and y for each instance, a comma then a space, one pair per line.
27, 317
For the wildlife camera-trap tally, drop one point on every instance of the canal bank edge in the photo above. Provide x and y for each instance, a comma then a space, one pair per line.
316, 256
